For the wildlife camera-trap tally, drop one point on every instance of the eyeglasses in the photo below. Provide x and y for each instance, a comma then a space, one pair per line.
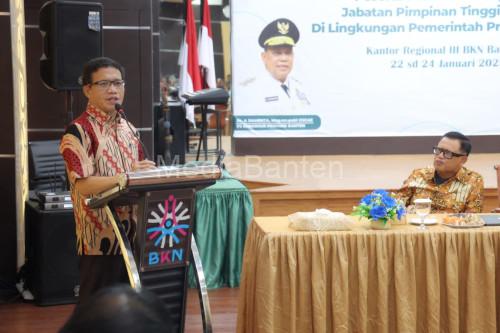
446, 153
105, 84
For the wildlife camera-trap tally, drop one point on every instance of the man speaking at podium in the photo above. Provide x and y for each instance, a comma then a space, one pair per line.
99, 147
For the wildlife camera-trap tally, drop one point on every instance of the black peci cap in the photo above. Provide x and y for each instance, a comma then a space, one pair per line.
280, 32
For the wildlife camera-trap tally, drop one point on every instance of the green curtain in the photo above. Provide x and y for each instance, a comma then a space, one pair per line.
223, 213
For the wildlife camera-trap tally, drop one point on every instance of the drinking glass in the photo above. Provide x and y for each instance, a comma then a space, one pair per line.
422, 208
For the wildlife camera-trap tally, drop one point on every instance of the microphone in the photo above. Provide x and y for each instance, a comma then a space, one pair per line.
221, 156
119, 109
121, 112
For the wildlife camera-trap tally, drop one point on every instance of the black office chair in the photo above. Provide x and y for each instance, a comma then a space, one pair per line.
47, 169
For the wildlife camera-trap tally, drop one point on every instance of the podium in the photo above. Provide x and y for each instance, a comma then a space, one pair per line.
164, 244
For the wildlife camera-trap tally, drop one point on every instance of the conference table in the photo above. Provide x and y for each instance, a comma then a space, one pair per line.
362, 280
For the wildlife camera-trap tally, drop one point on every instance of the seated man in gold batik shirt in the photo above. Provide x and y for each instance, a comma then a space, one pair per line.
451, 187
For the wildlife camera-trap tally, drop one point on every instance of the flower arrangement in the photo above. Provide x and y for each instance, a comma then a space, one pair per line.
379, 205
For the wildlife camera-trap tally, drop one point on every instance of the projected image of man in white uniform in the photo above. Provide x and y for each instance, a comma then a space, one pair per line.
278, 92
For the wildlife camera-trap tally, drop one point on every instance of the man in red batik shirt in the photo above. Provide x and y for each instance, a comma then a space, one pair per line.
99, 148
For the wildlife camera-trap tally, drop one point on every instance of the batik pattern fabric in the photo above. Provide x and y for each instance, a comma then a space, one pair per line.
459, 194
99, 144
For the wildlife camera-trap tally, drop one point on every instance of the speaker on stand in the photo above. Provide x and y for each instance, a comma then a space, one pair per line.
72, 35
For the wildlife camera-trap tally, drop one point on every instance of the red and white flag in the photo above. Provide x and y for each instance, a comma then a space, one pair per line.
190, 77
206, 48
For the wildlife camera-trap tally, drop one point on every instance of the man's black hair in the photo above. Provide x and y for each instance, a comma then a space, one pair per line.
465, 145
93, 65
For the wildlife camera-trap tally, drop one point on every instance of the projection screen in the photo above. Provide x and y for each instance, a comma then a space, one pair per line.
378, 70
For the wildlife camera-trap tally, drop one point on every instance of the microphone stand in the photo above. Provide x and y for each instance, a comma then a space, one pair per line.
167, 127
69, 106
120, 110
204, 133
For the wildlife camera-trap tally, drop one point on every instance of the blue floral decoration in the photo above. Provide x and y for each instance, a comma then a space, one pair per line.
380, 205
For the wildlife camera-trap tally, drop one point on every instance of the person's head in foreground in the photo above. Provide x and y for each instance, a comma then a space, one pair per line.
120, 309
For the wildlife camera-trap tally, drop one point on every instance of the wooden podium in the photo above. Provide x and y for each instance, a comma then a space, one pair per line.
164, 246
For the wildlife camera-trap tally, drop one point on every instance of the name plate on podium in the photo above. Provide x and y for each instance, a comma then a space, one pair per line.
167, 231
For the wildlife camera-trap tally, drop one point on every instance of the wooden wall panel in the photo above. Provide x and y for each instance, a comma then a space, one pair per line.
126, 46
171, 35
170, 32
6, 93
8, 252
155, 32
275, 203
4, 6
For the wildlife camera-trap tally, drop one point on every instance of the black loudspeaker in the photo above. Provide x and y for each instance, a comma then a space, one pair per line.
52, 262
72, 35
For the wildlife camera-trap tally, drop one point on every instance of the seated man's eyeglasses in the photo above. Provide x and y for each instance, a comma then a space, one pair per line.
105, 84
446, 153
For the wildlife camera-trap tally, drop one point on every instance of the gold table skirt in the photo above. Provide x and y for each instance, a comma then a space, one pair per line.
399, 280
